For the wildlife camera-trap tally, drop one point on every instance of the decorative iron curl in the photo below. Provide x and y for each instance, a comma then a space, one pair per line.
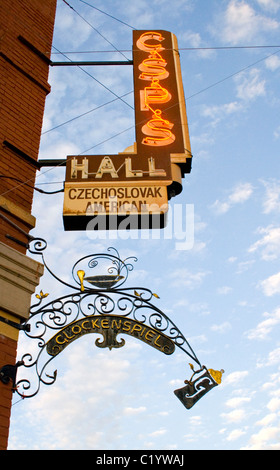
61, 312
118, 267
37, 245
48, 318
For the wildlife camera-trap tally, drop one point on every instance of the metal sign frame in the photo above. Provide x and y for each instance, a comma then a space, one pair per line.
98, 303
102, 191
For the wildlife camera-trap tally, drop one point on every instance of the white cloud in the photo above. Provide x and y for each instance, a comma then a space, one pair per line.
264, 438
267, 420
224, 290
241, 193
240, 23
134, 411
222, 328
53, 145
234, 416
263, 329
235, 434
70, 412
270, 5
185, 278
272, 196
196, 420
274, 356
244, 266
274, 404
269, 244
237, 401
272, 359
67, 23
250, 85
235, 377
217, 113
276, 133
138, 13
158, 433
272, 62
220, 207
193, 39
271, 285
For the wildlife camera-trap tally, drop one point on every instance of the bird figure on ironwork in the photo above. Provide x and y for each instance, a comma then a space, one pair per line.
216, 374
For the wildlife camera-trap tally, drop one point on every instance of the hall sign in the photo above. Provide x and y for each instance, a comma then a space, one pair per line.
109, 326
137, 183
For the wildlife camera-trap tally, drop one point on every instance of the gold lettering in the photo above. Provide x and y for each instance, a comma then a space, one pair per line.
105, 323
156, 343
114, 324
60, 342
83, 325
136, 327
77, 328
144, 329
149, 335
126, 326
94, 323
69, 337
117, 325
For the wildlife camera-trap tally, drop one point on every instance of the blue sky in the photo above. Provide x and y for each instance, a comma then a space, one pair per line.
223, 293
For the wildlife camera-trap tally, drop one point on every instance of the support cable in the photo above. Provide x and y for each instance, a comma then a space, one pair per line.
62, 163
95, 79
188, 98
107, 14
87, 112
96, 30
180, 49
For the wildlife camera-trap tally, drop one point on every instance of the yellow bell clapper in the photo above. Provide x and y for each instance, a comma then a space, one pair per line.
81, 275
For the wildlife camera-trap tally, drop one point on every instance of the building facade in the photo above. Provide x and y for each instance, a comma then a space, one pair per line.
26, 32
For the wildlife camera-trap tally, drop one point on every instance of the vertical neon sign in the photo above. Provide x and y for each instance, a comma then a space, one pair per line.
160, 113
154, 69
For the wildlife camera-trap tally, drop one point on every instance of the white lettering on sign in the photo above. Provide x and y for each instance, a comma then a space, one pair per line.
84, 198
107, 166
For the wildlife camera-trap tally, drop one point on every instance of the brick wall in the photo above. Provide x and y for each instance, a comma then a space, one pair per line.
7, 356
26, 30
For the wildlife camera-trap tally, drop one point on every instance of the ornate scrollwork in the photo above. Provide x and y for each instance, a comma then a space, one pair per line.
201, 382
98, 304
37, 245
116, 270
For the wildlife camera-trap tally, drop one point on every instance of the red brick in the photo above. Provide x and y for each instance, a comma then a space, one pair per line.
22, 100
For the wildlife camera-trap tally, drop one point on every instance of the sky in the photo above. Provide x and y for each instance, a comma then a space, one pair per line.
216, 274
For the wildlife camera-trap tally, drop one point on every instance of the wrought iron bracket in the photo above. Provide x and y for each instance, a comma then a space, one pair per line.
99, 304
16, 240
9, 372
13, 324
91, 62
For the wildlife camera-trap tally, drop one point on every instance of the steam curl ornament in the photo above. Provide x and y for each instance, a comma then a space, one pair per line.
98, 303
